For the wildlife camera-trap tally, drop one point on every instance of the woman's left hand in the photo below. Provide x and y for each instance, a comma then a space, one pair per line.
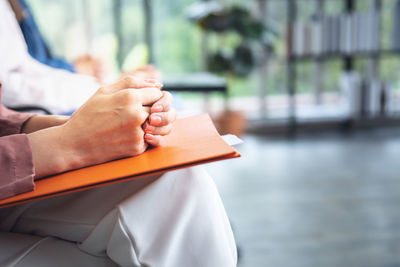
159, 124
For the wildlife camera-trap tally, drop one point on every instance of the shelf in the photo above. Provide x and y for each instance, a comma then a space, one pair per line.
339, 55
279, 127
196, 82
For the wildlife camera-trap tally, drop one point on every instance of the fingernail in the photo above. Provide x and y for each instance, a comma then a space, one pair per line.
157, 108
155, 119
148, 137
154, 83
150, 128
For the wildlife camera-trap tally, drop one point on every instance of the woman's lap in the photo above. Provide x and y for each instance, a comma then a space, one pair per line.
158, 221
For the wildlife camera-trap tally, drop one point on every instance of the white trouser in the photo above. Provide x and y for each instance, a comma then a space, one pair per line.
175, 220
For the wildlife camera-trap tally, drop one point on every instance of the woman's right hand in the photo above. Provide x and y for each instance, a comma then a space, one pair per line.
108, 126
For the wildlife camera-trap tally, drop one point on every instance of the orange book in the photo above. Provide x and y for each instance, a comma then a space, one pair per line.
193, 141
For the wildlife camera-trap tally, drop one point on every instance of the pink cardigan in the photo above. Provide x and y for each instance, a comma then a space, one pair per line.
16, 162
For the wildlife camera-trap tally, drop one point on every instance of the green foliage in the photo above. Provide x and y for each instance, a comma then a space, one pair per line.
177, 47
239, 59
177, 42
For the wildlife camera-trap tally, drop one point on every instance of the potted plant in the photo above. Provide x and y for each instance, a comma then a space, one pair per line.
244, 43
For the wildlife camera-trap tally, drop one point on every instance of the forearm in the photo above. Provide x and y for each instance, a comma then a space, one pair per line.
107, 127
51, 152
40, 122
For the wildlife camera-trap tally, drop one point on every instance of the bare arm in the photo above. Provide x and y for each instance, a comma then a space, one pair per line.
108, 126
40, 122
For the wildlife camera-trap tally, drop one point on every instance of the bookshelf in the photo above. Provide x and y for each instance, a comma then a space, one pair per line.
348, 53
350, 35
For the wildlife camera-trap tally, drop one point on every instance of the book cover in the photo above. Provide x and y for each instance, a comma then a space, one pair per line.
193, 140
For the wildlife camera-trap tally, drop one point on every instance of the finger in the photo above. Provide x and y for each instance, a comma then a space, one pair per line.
144, 116
162, 118
146, 109
163, 130
138, 148
154, 140
141, 97
156, 82
147, 67
130, 82
148, 96
164, 104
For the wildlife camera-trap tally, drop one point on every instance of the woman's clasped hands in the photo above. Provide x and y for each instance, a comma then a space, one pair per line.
119, 120
124, 117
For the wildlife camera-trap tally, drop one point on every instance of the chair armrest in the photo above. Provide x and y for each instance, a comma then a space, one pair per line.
29, 108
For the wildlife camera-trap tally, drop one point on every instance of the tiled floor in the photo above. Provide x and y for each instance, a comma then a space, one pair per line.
318, 200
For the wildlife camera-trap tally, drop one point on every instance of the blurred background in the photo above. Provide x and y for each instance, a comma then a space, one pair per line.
311, 86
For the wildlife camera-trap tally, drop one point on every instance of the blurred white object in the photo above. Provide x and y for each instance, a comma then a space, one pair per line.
232, 140
28, 82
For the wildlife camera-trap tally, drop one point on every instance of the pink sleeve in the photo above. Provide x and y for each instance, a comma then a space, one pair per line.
16, 165
11, 122
16, 160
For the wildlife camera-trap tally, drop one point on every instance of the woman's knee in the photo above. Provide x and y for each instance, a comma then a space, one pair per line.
193, 182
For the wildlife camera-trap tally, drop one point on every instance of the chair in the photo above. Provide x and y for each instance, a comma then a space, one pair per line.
31, 108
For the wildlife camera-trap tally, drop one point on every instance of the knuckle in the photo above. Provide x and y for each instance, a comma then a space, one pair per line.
132, 97
129, 115
137, 114
136, 150
154, 92
165, 119
155, 142
102, 90
166, 100
139, 148
168, 95
168, 129
128, 97
142, 116
137, 143
128, 79
138, 134
165, 130
164, 105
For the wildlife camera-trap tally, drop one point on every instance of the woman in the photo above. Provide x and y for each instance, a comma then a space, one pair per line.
175, 219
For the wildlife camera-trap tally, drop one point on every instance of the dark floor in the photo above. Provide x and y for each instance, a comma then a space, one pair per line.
318, 200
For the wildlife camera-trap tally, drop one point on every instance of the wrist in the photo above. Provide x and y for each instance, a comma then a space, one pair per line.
39, 122
51, 152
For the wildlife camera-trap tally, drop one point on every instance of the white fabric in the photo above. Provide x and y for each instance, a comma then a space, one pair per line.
29, 82
28, 250
177, 219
